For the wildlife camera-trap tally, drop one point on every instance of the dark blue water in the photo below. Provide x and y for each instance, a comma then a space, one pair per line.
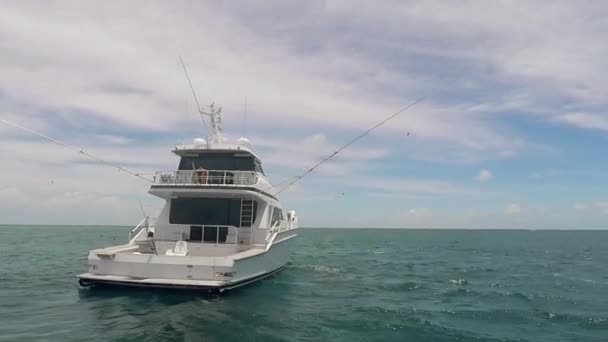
342, 285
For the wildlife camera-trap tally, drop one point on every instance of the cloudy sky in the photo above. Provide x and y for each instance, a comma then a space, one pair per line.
512, 132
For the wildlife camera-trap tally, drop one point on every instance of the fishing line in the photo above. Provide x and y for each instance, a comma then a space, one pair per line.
299, 177
79, 150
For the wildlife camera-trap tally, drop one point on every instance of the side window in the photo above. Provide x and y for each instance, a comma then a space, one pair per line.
277, 216
258, 167
270, 217
255, 212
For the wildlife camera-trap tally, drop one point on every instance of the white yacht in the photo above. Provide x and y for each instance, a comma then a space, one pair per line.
221, 226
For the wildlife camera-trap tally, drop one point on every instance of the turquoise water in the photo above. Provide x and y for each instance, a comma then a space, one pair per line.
342, 285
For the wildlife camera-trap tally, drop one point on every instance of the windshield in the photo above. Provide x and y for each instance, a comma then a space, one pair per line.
221, 161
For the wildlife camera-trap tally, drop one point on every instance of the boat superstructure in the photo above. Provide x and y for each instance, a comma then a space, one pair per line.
221, 225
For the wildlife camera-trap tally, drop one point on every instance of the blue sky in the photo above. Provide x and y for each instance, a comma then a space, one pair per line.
511, 133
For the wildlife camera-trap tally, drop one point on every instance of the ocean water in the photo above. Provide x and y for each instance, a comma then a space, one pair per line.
342, 285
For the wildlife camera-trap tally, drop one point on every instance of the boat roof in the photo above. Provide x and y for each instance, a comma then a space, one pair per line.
203, 147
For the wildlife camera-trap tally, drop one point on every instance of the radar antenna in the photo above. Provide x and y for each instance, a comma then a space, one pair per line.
215, 116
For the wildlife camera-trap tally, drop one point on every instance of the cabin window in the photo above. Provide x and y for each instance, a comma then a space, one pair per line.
212, 235
277, 216
270, 210
208, 234
205, 211
219, 161
258, 167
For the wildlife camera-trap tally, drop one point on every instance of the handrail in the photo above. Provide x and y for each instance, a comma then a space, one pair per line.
135, 231
206, 177
269, 243
278, 226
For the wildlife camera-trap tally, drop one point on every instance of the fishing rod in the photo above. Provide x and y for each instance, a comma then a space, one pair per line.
392, 116
79, 150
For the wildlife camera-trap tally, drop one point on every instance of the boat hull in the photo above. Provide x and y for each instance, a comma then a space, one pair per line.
209, 274
89, 280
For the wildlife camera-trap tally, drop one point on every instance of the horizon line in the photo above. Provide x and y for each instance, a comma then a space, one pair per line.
321, 227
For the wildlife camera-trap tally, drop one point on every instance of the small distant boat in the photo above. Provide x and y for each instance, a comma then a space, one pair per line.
221, 227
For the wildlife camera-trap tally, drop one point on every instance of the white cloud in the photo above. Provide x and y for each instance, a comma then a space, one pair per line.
301, 154
551, 173
584, 120
405, 185
484, 175
580, 206
602, 206
420, 213
307, 67
513, 209
130, 76
12, 195
60, 204
598, 206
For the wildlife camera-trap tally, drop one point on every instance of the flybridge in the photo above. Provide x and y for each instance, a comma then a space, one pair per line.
208, 177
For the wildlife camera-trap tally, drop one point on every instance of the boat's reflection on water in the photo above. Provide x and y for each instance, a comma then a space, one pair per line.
184, 315
153, 314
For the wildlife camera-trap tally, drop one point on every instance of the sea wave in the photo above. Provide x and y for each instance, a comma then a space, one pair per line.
336, 289
459, 281
580, 320
403, 286
318, 268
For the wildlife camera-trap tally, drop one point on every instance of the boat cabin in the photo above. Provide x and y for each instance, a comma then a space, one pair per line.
217, 196
221, 226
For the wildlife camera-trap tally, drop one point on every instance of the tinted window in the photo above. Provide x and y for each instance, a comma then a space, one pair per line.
277, 216
219, 161
205, 211
212, 235
258, 167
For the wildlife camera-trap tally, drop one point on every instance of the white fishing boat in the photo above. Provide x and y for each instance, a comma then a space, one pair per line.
221, 226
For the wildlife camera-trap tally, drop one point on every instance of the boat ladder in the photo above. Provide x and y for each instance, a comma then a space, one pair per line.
246, 220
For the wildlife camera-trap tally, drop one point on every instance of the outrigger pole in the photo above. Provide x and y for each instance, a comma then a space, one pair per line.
213, 113
79, 150
297, 178
198, 106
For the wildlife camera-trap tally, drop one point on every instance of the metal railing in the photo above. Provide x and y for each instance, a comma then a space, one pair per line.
206, 177
281, 225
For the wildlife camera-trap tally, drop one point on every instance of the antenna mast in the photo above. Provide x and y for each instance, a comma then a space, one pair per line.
215, 117
214, 114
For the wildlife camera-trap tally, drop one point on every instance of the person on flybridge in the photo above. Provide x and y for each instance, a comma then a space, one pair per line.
200, 175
